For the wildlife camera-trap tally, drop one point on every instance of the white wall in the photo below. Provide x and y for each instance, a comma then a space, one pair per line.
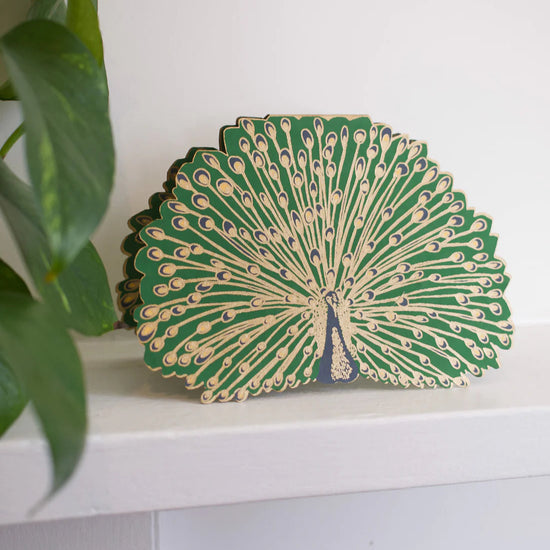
501, 515
128, 532
471, 78
495, 515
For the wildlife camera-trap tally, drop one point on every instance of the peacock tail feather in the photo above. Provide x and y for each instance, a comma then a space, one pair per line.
314, 248
128, 289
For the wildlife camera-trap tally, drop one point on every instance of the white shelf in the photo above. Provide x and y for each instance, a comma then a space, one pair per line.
153, 446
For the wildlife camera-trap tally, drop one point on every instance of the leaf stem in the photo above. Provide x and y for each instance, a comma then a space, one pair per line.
10, 142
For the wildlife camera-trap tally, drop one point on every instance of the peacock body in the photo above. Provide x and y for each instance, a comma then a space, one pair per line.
313, 248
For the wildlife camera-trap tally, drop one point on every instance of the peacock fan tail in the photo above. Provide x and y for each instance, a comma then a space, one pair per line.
313, 248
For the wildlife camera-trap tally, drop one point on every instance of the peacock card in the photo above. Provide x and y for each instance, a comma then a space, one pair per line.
313, 248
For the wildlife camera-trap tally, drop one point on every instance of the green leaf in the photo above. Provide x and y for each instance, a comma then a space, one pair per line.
12, 140
80, 295
36, 345
69, 144
7, 93
10, 281
82, 20
12, 397
54, 10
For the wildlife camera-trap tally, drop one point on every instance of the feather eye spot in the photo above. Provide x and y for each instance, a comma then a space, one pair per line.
401, 170
178, 207
332, 138
368, 296
336, 197
360, 136
433, 247
149, 312
166, 270
169, 359
285, 158
200, 201
194, 298
430, 175
387, 214
184, 360
229, 315
402, 301
380, 170
177, 310
204, 327
155, 233
261, 237
420, 215
258, 160
285, 125
225, 187
131, 285
420, 165
282, 199
157, 344
236, 165
182, 252
372, 152
183, 181
177, 283
479, 225
146, 332
302, 159
307, 138
244, 145
297, 180
395, 239
269, 320
206, 223
385, 138
154, 254
318, 125
248, 125
257, 302
270, 130
202, 177
160, 290
180, 223
457, 257
261, 143
443, 184
223, 276
315, 257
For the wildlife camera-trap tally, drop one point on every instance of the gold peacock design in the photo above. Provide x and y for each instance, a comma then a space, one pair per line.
313, 248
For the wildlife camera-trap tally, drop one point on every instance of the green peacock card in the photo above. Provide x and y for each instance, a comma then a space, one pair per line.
313, 248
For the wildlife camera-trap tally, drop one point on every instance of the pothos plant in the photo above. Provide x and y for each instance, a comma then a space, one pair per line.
56, 72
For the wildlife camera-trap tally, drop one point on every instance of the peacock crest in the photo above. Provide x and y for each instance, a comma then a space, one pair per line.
313, 248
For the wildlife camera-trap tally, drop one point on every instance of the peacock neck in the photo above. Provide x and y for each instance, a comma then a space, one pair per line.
337, 363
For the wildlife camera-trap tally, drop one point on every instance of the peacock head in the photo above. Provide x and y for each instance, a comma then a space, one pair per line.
331, 298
